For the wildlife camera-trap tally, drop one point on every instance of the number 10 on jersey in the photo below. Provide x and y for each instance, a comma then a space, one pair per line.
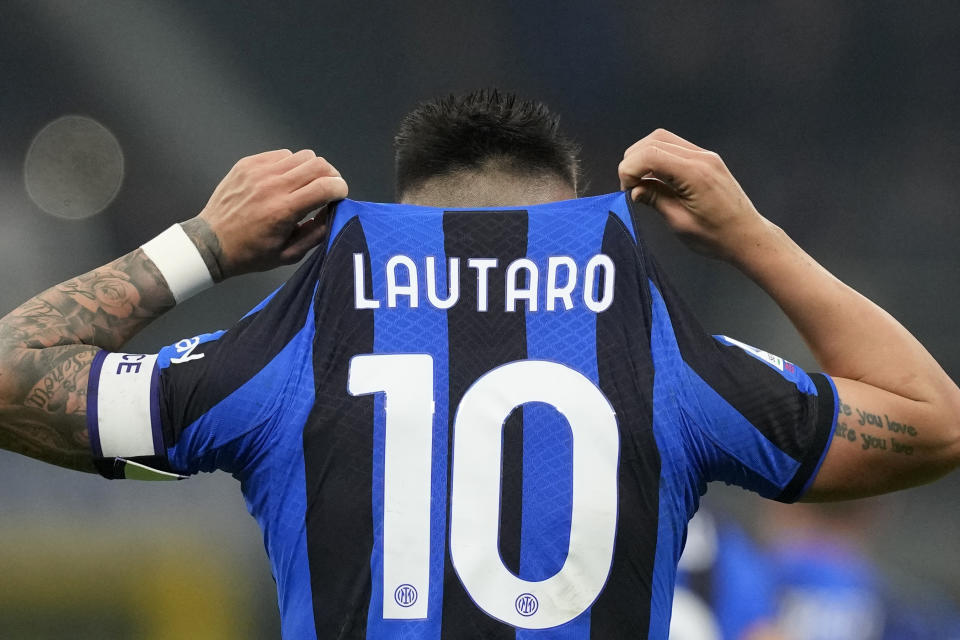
407, 382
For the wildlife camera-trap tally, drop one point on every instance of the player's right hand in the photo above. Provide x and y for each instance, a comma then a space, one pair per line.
694, 192
256, 211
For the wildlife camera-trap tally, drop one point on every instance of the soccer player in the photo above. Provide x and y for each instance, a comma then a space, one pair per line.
483, 412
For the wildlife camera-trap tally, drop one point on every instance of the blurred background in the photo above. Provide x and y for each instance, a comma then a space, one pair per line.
118, 119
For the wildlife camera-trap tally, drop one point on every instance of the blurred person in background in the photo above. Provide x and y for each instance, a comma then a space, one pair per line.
284, 399
809, 575
724, 587
827, 586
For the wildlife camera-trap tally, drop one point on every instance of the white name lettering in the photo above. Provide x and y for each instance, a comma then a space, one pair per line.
565, 285
594, 266
565, 292
483, 266
528, 293
393, 289
360, 300
453, 273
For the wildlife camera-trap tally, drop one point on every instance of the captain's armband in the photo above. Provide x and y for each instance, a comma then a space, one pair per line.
123, 417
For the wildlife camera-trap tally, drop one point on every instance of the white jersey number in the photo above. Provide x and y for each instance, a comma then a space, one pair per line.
407, 382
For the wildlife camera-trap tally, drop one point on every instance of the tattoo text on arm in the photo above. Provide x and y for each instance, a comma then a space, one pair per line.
874, 431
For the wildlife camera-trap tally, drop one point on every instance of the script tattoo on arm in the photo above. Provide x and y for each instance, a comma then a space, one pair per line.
47, 420
869, 430
48, 343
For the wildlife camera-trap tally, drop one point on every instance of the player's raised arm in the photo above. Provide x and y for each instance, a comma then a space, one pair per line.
898, 403
47, 344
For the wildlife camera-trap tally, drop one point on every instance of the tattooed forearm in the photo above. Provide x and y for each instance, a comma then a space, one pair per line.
207, 244
48, 343
105, 307
872, 431
43, 407
31, 433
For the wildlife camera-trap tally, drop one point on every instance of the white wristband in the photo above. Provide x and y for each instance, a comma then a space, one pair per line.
180, 263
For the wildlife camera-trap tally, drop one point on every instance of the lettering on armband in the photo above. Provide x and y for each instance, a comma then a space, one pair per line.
130, 363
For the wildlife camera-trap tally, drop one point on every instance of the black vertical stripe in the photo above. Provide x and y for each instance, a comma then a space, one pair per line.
479, 342
337, 449
511, 466
625, 368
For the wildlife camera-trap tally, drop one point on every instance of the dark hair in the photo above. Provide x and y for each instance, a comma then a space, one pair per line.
467, 131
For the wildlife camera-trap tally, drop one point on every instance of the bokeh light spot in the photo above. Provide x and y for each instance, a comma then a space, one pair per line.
74, 167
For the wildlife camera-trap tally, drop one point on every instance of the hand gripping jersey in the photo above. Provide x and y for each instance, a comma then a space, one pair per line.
470, 424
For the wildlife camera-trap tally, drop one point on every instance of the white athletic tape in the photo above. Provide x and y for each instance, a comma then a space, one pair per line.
126, 423
180, 262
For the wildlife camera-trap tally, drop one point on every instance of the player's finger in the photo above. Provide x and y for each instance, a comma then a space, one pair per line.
650, 190
306, 236
318, 192
662, 135
653, 158
675, 149
664, 200
282, 165
269, 156
307, 172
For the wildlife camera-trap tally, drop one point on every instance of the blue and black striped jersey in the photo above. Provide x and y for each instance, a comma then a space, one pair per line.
472, 424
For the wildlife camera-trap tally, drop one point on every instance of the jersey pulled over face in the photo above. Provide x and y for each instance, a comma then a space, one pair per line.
472, 424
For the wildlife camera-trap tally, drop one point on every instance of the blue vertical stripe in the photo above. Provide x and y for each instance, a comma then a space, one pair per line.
677, 501
413, 232
567, 336
621, 208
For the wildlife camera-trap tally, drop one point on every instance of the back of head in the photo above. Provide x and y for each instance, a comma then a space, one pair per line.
481, 147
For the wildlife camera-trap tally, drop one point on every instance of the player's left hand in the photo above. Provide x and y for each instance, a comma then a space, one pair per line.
694, 192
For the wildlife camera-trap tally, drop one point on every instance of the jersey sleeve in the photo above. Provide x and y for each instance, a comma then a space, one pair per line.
751, 418
207, 402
